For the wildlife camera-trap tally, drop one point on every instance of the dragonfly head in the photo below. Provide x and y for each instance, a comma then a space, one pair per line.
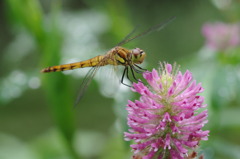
138, 56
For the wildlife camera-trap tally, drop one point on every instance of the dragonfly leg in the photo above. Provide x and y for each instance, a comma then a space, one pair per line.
136, 70
132, 70
124, 72
140, 67
128, 74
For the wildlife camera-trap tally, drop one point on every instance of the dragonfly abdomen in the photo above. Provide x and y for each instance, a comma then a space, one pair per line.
87, 63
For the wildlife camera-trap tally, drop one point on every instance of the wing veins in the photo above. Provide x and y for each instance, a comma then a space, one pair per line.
157, 27
127, 36
88, 78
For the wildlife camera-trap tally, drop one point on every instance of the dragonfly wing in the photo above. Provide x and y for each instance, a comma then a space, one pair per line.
108, 81
128, 36
157, 27
86, 81
88, 78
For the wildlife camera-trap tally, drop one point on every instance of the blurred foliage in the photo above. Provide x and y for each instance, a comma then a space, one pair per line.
37, 118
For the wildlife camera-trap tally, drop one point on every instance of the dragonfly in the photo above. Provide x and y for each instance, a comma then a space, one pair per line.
118, 55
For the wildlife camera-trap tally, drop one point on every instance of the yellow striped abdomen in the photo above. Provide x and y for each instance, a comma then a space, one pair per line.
87, 63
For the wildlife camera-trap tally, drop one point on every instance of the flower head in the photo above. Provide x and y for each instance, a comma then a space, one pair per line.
221, 36
164, 122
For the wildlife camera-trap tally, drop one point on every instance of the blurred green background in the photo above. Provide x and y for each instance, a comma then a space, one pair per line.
37, 118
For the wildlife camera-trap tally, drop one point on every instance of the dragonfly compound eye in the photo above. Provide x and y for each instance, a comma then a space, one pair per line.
138, 55
136, 51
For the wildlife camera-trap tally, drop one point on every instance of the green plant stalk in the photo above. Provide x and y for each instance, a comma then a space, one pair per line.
28, 13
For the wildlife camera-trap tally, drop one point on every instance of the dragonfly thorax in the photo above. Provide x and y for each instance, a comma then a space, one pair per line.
128, 57
137, 56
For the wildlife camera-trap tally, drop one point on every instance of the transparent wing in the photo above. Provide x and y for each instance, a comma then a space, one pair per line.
128, 36
88, 78
157, 27
109, 79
